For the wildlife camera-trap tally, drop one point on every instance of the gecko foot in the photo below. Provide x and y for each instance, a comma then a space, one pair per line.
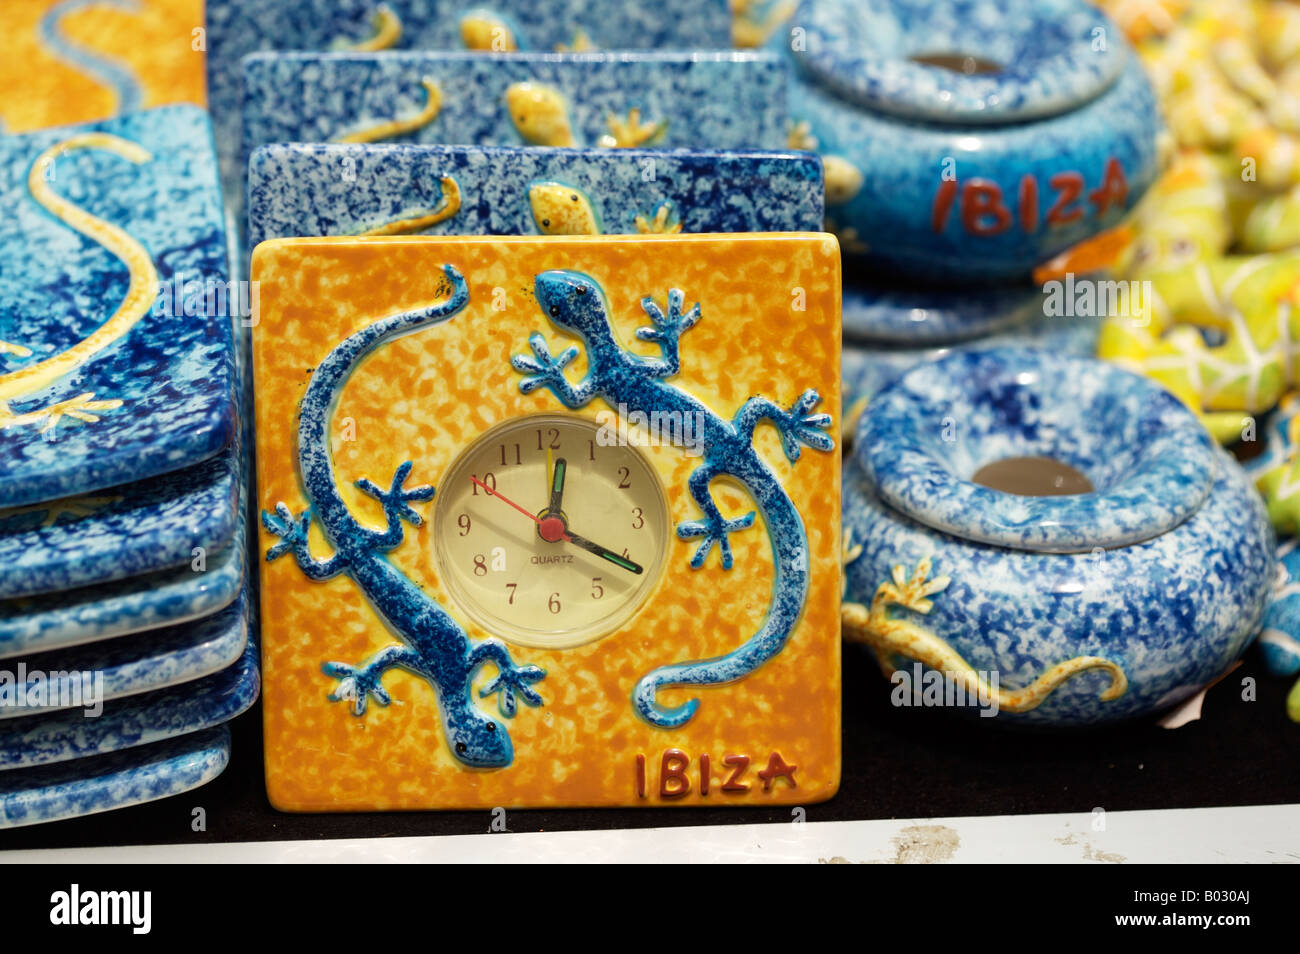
395, 498
670, 327
510, 679
356, 685
798, 427
543, 369
291, 530
715, 531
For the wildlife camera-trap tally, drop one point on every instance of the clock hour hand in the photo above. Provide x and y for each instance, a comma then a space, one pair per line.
602, 552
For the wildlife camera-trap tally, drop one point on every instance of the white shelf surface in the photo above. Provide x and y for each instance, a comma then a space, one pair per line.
1259, 834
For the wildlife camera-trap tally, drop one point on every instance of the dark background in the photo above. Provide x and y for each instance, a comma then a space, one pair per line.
898, 763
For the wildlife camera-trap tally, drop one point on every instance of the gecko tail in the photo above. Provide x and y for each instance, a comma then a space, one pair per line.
646, 703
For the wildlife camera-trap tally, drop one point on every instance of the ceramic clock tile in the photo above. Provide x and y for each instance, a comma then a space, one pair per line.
164, 597
583, 615
127, 665
139, 720
116, 534
304, 189
69, 61
718, 100
104, 782
237, 28
103, 380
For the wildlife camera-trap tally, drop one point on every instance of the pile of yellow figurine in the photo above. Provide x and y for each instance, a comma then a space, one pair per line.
1218, 236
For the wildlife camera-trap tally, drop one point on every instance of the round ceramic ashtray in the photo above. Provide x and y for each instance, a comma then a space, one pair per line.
970, 140
1059, 537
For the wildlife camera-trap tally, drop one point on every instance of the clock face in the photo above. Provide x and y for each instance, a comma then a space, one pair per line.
549, 534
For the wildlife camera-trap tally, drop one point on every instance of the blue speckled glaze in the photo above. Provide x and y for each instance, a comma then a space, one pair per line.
887, 313
102, 783
862, 50
435, 646
576, 304
1150, 461
869, 367
1171, 612
140, 720
1080, 123
710, 100
140, 528
162, 598
174, 375
237, 28
307, 190
1279, 639
146, 661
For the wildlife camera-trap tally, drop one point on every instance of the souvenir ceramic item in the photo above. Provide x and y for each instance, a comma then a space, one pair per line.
1060, 538
124, 666
105, 782
179, 519
200, 586
691, 666
869, 367
151, 717
718, 100
305, 190
102, 380
1005, 131
70, 61
237, 28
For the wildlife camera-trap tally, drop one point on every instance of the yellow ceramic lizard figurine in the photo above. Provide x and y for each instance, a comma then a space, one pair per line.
139, 298
389, 129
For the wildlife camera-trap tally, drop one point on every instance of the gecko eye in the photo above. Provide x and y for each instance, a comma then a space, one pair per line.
555, 311
573, 198
581, 289
491, 726
461, 747
546, 223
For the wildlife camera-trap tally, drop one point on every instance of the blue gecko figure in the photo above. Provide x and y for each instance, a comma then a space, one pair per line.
576, 304
435, 646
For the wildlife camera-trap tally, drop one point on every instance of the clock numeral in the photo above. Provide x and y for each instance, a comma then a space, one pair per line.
480, 565
490, 479
638, 518
552, 438
510, 600
597, 591
463, 522
624, 478
553, 604
505, 463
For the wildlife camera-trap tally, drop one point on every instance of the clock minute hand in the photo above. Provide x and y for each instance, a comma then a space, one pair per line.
557, 485
603, 552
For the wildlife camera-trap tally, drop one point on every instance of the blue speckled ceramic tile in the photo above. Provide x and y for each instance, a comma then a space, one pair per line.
105, 782
309, 190
119, 533
130, 664
718, 100
148, 601
99, 385
127, 723
239, 27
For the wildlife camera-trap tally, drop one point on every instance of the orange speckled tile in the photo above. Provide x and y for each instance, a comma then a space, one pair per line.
770, 326
68, 63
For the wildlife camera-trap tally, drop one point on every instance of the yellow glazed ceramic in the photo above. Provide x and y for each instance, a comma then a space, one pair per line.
69, 61
635, 529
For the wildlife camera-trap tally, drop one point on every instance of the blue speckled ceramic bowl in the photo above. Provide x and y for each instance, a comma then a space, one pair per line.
971, 176
1086, 608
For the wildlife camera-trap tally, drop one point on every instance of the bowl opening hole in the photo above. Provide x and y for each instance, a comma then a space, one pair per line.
966, 63
1033, 477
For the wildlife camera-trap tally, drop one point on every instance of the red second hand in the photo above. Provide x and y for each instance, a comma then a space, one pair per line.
492, 493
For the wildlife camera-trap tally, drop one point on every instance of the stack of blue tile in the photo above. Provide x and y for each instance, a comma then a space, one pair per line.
125, 637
